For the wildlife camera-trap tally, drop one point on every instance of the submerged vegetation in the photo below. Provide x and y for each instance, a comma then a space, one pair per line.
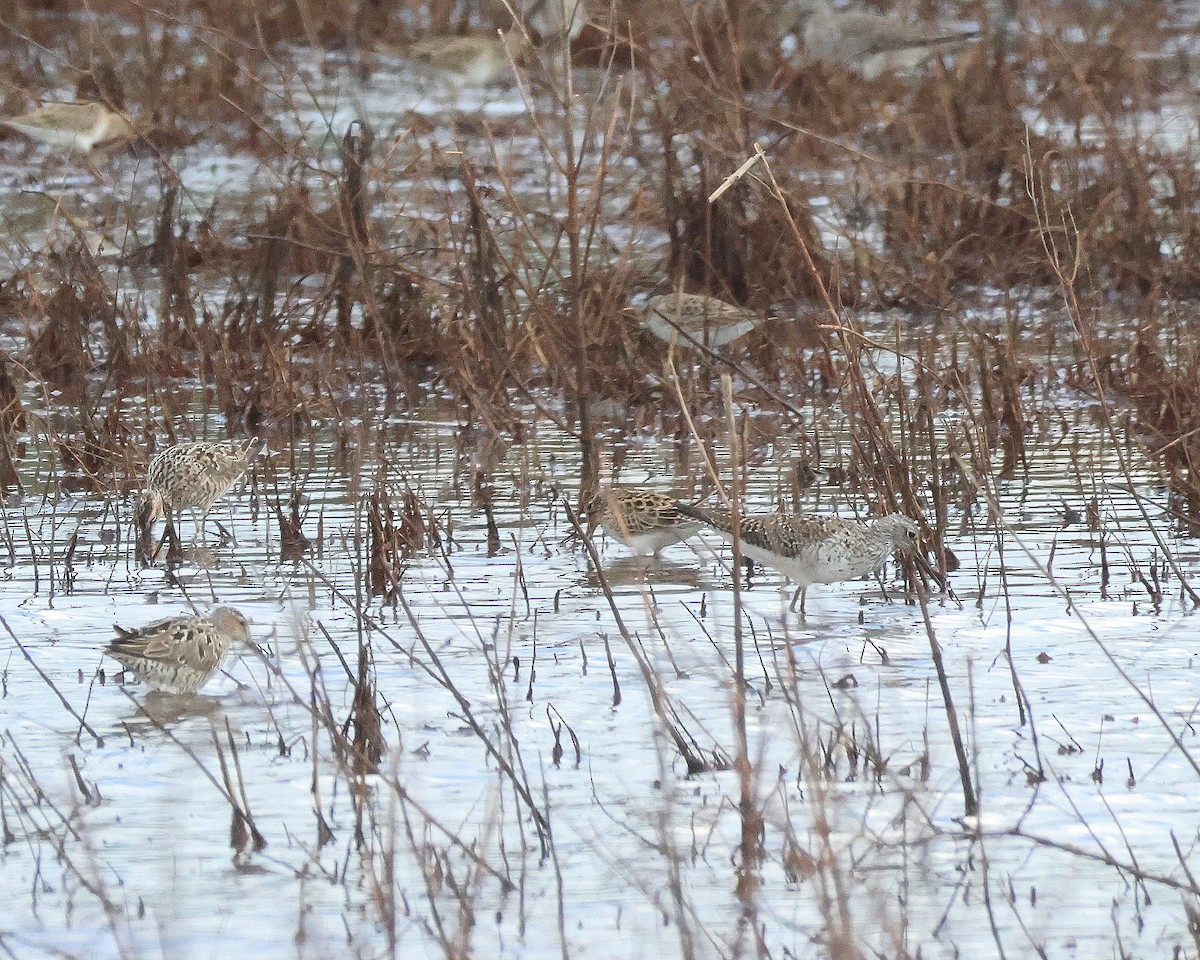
427, 297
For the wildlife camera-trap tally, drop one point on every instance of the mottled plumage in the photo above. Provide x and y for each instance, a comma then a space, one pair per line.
810, 549
473, 60
75, 126
178, 654
695, 318
643, 520
869, 43
194, 476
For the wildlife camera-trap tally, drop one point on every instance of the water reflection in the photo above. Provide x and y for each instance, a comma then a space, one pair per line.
158, 711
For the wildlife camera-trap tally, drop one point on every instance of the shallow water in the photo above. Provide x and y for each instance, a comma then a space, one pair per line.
522, 636
132, 856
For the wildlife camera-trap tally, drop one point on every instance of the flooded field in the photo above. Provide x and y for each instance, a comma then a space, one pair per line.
466, 728
529, 795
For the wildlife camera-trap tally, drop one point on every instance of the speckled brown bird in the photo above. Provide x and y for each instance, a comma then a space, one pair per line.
643, 520
810, 549
179, 654
694, 318
193, 476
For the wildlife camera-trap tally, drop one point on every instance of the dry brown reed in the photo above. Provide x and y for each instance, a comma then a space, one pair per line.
947, 181
928, 196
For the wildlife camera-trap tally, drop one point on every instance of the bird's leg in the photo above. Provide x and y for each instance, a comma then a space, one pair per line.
801, 594
166, 535
171, 537
748, 563
197, 524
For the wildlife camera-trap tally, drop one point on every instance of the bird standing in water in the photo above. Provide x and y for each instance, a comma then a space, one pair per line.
810, 549
192, 476
643, 520
179, 654
73, 126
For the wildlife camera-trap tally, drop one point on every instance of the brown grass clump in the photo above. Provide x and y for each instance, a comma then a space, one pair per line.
1166, 398
927, 192
395, 535
12, 422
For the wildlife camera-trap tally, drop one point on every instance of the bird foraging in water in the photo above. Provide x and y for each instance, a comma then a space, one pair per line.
695, 318
467, 60
871, 44
643, 520
73, 126
179, 654
809, 549
192, 476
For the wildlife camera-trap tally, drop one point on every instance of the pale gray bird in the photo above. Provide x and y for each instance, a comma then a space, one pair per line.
179, 654
553, 19
73, 126
810, 549
466, 60
871, 44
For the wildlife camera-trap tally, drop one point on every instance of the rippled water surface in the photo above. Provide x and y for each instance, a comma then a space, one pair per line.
523, 635
510, 677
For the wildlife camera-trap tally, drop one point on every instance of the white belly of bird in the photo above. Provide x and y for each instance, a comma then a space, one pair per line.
820, 563
718, 335
648, 541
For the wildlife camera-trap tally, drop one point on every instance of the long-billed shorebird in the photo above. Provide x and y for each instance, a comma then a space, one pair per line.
697, 319
193, 476
74, 126
809, 549
871, 44
643, 520
469, 60
179, 654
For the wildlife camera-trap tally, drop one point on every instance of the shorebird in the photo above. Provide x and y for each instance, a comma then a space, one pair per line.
193, 476
178, 654
871, 44
554, 19
809, 549
470, 60
643, 520
74, 126
694, 318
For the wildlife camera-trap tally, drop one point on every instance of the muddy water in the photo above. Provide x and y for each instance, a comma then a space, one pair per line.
115, 803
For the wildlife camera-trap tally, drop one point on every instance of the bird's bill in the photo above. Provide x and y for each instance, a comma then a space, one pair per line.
149, 510
927, 569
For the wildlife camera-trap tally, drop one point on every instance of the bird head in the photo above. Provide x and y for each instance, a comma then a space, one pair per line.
231, 621
901, 532
151, 508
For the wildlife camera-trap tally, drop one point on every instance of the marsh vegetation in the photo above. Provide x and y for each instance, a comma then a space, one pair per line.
463, 728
